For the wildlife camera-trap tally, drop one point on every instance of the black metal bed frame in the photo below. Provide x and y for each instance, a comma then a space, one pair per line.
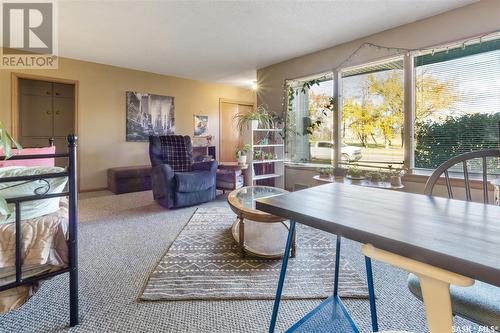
72, 267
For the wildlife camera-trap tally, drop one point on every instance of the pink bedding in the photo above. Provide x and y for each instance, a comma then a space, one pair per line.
44, 249
30, 151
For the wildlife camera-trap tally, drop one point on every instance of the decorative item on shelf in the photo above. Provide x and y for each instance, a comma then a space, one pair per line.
258, 155
202, 141
142, 115
254, 119
200, 124
395, 175
325, 172
268, 156
263, 141
241, 154
355, 173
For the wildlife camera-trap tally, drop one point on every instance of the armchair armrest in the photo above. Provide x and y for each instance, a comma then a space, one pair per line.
205, 166
163, 184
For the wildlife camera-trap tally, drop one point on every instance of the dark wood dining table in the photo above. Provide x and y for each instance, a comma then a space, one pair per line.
459, 237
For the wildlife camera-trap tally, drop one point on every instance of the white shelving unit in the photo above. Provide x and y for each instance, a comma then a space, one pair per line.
266, 158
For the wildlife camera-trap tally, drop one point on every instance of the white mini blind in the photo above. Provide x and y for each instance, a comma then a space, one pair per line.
457, 102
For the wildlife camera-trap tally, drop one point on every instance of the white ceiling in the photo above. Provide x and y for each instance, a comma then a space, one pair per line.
223, 41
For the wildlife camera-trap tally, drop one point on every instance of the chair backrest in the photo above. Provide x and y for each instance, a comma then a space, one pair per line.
463, 159
174, 150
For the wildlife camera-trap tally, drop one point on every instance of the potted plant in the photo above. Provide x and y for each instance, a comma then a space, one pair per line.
241, 154
355, 173
6, 143
258, 155
325, 172
253, 119
376, 176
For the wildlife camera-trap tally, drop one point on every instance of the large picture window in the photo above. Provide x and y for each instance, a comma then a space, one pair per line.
372, 115
456, 109
457, 102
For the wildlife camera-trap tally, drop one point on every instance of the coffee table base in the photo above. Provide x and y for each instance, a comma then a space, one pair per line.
259, 239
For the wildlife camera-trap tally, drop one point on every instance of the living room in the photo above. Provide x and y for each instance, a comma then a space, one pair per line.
250, 166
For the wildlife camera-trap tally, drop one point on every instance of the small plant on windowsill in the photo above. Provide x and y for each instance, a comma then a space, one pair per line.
6, 143
355, 173
325, 172
241, 154
377, 176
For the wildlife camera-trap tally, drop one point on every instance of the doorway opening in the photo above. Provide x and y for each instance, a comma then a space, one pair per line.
229, 136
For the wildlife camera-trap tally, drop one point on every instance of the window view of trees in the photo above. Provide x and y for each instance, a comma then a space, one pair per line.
310, 123
372, 116
457, 107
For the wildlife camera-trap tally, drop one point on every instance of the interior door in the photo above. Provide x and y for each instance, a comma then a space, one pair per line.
230, 137
64, 116
35, 113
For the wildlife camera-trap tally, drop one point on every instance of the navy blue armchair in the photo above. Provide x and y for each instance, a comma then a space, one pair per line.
175, 179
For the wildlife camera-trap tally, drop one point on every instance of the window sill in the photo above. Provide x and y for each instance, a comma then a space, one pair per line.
419, 176
306, 165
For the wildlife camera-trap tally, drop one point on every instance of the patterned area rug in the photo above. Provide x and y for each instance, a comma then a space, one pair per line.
204, 263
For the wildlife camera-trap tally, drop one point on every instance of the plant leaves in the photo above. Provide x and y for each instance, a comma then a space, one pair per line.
4, 208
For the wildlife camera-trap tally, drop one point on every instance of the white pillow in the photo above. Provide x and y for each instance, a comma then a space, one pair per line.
34, 208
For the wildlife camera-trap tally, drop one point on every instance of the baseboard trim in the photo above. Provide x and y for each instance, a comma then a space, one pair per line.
93, 189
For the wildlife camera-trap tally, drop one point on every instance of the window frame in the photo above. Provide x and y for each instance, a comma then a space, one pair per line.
371, 64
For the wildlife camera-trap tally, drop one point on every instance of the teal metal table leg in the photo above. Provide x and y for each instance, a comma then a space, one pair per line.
337, 267
371, 293
284, 263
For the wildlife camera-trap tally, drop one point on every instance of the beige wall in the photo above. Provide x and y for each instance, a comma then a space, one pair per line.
101, 118
468, 21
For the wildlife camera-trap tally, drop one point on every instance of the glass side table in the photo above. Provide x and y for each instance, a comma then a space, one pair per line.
258, 233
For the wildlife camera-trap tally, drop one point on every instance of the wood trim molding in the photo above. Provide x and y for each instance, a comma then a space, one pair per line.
97, 189
232, 101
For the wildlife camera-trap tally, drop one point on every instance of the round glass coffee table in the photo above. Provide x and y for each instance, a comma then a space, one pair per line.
258, 233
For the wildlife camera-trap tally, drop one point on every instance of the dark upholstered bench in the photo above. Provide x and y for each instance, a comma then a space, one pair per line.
129, 179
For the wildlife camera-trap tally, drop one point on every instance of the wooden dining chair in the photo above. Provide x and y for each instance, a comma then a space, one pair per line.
479, 303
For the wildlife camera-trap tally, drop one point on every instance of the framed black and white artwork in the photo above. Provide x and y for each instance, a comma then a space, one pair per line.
149, 114
200, 124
